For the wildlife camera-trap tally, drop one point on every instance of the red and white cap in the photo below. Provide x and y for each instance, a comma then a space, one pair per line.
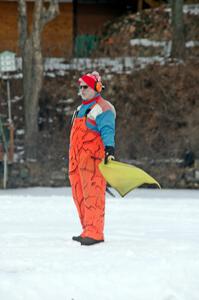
90, 79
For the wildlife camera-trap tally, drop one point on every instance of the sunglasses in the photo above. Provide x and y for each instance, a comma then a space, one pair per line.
83, 87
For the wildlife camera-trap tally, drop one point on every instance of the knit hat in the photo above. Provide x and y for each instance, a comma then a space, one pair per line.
91, 79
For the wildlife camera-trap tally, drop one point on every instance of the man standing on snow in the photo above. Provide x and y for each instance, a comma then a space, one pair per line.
91, 141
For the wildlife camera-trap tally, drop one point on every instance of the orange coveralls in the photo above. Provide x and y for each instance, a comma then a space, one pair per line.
88, 185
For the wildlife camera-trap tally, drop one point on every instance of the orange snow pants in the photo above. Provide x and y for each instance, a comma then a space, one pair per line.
88, 185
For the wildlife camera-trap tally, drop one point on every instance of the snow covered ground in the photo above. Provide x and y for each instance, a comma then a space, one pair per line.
151, 250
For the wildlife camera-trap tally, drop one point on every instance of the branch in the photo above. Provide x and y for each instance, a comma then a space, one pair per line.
50, 13
22, 22
38, 6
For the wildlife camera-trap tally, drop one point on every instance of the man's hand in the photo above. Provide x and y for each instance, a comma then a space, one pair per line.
109, 154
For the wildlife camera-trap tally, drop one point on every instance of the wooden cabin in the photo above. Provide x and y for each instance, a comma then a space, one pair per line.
57, 36
78, 19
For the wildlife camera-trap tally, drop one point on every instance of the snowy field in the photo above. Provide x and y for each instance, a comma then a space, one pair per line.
151, 250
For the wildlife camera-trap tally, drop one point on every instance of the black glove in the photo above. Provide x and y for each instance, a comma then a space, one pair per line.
109, 154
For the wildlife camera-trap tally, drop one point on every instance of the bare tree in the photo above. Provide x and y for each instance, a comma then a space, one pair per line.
178, 38
32, 64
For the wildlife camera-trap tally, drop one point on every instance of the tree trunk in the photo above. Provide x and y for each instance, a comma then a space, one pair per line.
32, 64
178, 38
32, 84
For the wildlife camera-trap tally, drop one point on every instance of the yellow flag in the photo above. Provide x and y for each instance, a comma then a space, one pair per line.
124, 177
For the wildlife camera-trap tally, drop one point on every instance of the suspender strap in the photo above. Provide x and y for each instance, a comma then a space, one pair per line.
89, 109
86, 113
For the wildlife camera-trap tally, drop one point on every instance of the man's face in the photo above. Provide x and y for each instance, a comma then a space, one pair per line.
86, 92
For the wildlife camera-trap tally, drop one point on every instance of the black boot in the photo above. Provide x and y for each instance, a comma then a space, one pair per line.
77, 238
87, 241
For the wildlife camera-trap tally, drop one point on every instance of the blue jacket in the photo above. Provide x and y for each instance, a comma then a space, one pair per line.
100, 117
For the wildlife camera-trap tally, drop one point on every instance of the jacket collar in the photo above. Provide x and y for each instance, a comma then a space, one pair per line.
95, 99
